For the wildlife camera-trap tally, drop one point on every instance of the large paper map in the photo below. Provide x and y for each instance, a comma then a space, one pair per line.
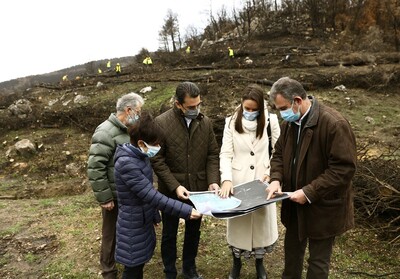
247, 197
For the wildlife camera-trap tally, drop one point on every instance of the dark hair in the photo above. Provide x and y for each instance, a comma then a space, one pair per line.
146, 130
256, 93
184, 89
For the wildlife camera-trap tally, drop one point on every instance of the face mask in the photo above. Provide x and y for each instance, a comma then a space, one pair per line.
151, 150
289, 116
133, 119
192, 113
250, 115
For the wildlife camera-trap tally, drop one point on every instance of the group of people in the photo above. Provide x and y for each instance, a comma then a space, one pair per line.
117, 68
311, 154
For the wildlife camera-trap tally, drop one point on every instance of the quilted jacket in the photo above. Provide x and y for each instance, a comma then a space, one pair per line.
138, 205
188, 157
100, 170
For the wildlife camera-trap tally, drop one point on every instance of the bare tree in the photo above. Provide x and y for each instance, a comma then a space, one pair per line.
169, 33
192, 36
389, 21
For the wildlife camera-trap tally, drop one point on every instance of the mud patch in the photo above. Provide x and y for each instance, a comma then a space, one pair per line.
33, 189
25, 256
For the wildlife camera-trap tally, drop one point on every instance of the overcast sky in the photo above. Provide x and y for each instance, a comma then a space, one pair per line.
40, 36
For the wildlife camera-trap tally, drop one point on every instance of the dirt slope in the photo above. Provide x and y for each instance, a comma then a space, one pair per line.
50, 222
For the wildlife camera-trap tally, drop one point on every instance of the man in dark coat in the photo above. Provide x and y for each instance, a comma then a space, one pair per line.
188, 161
315, 158
105, 139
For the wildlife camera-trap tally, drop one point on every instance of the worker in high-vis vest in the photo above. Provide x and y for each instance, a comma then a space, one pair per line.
99, 71
109, 64
188, 50
230, 51
118, 69
147, 61
65, 78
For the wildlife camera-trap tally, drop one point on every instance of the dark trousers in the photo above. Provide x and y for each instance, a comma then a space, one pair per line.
168, 244
320, 251
107, 250
135, 272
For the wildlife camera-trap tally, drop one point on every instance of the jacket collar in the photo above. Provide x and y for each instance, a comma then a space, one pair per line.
129, 148
313, 115
114, 120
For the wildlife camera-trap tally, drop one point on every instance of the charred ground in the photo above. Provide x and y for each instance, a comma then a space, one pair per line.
50, 221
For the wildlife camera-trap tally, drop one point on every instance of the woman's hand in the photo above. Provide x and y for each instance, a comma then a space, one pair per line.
266, 178
195, 214
226, 189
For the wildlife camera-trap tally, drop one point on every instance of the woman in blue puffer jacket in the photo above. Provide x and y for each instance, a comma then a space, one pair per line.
138, 201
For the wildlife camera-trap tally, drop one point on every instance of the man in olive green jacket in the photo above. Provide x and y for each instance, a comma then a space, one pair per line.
100, 171
188, 161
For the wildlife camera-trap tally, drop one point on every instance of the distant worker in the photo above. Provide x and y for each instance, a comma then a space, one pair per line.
118, 69
147, 61
65, 78
230, 51
188, 50
109, 65
99, 70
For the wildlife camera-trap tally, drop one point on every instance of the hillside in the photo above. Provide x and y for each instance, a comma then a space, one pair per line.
50, 221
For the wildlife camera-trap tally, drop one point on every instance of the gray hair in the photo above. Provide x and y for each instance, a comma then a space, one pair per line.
288, 88
129, 100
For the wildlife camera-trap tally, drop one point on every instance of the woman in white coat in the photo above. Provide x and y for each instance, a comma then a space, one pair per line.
244, 157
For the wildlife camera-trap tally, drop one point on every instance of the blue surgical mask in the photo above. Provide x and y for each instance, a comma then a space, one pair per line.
250, 115
133, 119
289, 116
152, 150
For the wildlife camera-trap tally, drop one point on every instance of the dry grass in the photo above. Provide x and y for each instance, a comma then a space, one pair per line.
60, 238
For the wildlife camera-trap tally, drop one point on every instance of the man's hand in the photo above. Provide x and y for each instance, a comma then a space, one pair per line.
214, 187
298, 196
274, 187
227, 189
195, 214
182, 193
108, 206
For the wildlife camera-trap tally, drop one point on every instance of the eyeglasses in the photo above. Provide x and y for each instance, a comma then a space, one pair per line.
192, 107
136, 111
